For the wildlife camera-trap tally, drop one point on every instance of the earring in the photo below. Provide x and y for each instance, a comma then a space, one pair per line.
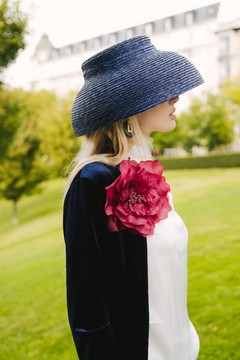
128, 129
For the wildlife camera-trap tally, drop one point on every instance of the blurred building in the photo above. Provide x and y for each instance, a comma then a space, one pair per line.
208, 36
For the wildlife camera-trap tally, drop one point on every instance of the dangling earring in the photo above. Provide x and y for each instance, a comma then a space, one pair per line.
128, 129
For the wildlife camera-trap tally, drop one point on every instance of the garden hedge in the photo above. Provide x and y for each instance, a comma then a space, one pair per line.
198, 162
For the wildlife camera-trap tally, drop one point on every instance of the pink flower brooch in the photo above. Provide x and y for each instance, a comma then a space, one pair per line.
137, 199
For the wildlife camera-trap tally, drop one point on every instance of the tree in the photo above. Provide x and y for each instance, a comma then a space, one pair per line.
230, 91
13, 24
21, 170
37, 140
57, 143
51, 116
207, 123
231, 94
217, 127
20, 173
168, 140
11, 116
190, 123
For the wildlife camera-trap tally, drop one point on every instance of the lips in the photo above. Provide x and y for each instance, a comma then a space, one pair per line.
171, 114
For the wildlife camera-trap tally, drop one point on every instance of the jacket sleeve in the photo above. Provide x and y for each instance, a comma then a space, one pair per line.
88, 286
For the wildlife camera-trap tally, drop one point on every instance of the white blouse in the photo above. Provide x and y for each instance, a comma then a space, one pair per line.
171, 334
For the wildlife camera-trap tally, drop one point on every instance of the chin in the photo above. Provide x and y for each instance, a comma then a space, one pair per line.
169, 128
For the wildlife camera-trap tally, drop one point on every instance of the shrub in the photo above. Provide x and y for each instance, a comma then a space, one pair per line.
198, 162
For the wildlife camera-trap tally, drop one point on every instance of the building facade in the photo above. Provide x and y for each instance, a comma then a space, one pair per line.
203, 35
208, 36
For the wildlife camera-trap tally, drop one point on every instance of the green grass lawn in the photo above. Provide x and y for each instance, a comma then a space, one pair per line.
33, 318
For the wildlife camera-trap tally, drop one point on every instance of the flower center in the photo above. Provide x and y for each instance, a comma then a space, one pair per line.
134, 197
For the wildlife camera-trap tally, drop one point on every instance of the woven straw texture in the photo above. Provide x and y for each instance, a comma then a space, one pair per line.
126, 79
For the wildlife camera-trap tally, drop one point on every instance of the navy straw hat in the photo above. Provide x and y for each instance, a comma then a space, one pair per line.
126, 79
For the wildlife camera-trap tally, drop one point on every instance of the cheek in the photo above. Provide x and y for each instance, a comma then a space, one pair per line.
164, 123
156, 119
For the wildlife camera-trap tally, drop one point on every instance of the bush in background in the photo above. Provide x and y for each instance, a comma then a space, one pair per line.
201, 162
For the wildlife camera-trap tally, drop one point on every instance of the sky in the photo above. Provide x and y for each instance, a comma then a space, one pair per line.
69, 21
72, 20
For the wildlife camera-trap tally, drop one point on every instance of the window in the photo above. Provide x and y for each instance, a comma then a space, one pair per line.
89, 44
112, 38
149, 29
207, 12
178, 21
68, 50
129, 33
81, 46
158, 26
140, 29
96, 42
224, 45
189, 18
53, 54
224, 68
168, 24
201, 14
211, 10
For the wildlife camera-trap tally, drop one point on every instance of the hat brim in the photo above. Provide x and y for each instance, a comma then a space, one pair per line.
135, 88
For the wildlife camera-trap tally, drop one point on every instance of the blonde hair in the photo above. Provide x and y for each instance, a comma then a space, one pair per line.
108, 145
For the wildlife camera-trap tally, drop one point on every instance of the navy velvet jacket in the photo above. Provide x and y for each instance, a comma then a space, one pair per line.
107, 290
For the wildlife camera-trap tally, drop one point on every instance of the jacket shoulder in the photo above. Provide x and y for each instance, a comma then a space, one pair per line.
97, 172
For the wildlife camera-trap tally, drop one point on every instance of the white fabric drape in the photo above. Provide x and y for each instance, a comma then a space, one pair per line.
171, 334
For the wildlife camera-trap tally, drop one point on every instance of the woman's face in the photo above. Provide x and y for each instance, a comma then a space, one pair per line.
158, 118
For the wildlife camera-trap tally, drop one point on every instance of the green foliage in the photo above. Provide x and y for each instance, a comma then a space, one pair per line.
37, 140
11, 116
207, 123
216, 127
162, 140
57, 143
13, 25
190, 122
50, 117
32, 268
231, 96
230, 90
201, 162
20, 171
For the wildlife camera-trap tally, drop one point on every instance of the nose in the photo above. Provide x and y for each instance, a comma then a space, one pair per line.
173, 100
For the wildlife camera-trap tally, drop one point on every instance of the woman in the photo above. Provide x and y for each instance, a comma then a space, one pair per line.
126, 247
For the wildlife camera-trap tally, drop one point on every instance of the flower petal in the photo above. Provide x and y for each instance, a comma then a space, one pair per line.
137, 199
